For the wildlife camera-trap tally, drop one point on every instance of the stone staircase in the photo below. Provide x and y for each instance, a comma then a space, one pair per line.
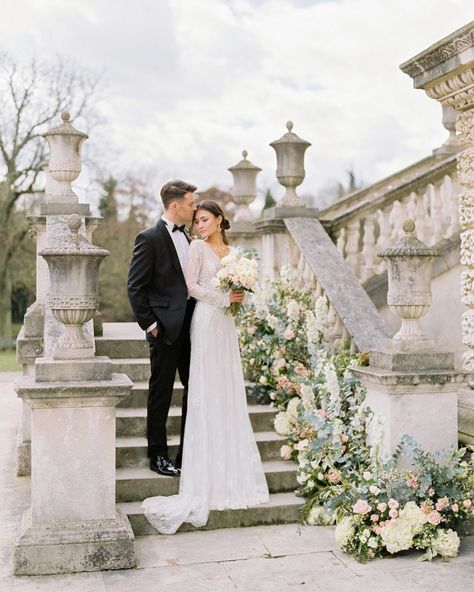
124, 344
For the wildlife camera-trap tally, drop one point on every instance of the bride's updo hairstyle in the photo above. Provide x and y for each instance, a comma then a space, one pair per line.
215, 209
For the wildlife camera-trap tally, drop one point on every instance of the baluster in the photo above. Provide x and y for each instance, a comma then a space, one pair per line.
437, 221
411, 206
338, 332
421, 218
450, 200
307, 276
397, 219
341, 241
332, 316
383, 219
319, 290
369, 250
352, 246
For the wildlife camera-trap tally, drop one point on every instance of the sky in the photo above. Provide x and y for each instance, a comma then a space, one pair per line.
191, 83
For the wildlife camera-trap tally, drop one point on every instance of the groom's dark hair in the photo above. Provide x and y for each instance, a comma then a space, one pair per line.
174, 190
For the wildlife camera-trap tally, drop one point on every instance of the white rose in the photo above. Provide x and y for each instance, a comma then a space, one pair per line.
282, 424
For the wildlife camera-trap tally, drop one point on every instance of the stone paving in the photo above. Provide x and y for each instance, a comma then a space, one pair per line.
277, 558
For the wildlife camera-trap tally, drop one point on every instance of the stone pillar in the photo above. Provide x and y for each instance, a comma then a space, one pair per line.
445, 71
276, 242
412, 387
73, 523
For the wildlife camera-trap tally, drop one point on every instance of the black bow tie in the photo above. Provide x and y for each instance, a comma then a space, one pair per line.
180, 228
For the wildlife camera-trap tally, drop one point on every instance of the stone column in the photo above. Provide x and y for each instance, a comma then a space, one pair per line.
276, 242
73, 523
445, 71
412, 387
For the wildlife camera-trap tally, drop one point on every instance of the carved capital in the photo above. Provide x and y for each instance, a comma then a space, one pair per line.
456, 92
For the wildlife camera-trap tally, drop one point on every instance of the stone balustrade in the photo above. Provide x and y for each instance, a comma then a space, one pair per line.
316, 264
371, 219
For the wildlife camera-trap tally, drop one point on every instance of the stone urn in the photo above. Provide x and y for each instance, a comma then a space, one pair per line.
290, 172
74, 272
65, 160
245, 187
409, 264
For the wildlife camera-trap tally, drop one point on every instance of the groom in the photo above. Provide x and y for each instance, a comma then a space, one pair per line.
159, 298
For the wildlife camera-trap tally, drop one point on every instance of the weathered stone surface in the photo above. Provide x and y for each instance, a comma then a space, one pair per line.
94, 369
28, 348
413, 361
68, 546
422, 405
350, 301
64, 209
466, 416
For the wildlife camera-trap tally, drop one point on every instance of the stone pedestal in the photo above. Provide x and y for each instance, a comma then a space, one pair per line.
276, 245
412, 394
73, 523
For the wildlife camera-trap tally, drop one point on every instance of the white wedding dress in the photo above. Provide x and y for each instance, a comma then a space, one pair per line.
221, 464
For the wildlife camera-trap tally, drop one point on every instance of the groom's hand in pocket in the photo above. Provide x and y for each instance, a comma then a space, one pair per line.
154, 332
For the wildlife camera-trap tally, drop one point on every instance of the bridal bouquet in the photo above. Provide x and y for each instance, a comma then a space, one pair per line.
237, 273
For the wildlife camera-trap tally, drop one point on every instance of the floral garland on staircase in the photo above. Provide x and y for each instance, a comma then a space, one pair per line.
377, 506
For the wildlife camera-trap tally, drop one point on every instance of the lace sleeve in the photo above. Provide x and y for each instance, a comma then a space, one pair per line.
192, 274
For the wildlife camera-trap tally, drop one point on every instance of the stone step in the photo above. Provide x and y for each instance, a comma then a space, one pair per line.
139, 396
131, 421
138, 483
122, 348
137, 369
281, 509
132, 452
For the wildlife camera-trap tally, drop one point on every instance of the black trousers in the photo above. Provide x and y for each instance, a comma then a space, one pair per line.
165, 359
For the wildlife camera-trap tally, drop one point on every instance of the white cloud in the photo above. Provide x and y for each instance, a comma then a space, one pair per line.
192, 83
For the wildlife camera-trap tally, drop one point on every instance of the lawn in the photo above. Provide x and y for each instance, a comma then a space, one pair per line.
8, 361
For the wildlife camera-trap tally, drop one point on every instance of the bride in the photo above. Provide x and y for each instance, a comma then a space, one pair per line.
221, 464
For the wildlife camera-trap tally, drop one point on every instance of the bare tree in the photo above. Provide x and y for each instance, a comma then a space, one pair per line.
31, 98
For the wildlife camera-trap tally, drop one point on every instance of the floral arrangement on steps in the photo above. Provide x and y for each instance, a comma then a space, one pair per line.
378, 507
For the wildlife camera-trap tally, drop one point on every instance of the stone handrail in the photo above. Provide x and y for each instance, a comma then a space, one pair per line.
317, 264
371, 219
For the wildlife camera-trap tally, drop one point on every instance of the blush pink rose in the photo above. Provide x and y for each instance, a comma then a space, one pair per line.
374, 518
289, 333
361, 507
393, 504
393, 513
434, 517
285, 452
467, 503
377, 529
334, 476
455, 508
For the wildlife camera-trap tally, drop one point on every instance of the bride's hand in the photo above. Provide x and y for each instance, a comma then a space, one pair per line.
236, 296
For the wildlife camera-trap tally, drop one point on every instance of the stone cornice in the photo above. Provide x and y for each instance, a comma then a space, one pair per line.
442, 58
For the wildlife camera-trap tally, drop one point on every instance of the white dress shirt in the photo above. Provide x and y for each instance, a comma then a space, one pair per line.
182, 248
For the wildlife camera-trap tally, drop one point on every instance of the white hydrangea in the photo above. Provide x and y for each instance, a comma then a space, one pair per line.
344, 531
319, 516
292, 409
282, 424
414, 517
397, 536
273, 322
446, 543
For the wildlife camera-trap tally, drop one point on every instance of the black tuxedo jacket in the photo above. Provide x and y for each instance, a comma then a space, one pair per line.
156, 285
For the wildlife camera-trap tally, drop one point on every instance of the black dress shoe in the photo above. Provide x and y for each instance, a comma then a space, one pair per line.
163, 466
